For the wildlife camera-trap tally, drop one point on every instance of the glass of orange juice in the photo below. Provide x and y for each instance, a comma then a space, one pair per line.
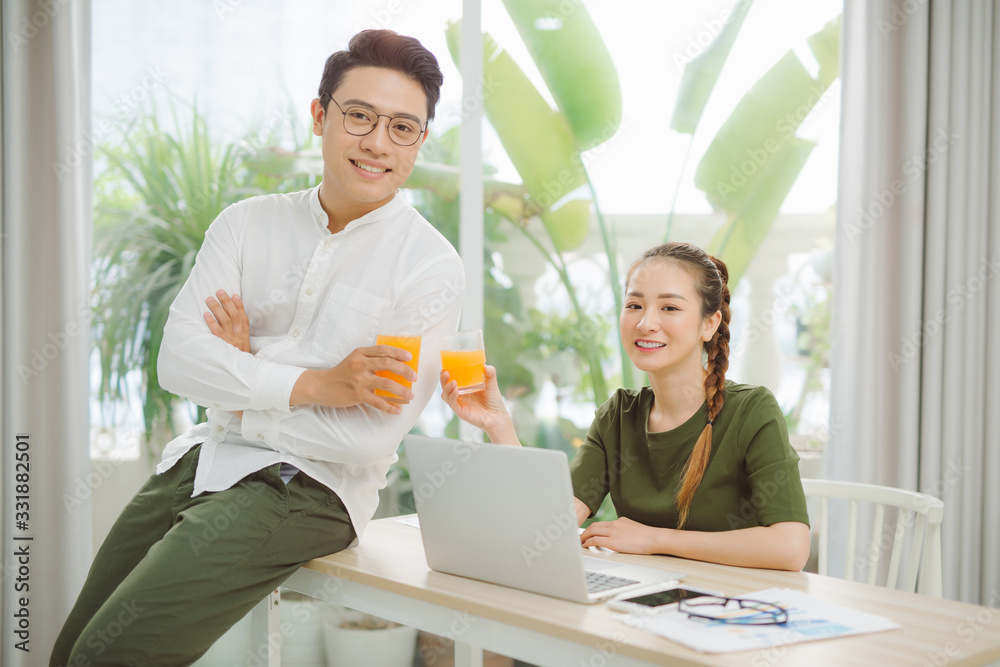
409, 343
463, 355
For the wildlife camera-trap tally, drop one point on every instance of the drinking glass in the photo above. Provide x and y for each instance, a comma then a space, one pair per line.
463, 355
406, 342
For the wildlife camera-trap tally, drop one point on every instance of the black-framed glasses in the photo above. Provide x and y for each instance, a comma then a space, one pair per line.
359, 121
736, 611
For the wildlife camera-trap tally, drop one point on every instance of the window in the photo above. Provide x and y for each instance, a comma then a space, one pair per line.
249, 69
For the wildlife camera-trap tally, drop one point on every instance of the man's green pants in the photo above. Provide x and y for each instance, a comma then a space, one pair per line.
176, 572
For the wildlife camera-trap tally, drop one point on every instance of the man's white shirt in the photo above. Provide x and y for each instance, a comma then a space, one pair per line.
312, 297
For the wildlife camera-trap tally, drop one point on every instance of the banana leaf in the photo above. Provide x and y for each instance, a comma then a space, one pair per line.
752, 163
825, 47
737, 241
510, 207
766, 118
543, 148
536, 137
701, 72
563, 223
575, 64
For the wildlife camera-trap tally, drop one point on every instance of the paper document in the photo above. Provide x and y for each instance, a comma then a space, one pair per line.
809, 618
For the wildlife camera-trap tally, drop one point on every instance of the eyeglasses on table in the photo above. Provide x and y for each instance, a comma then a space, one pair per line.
736, 611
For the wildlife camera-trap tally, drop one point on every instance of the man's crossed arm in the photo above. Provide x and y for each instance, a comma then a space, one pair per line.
351, 382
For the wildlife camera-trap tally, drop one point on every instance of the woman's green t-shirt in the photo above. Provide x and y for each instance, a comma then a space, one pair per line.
752, 477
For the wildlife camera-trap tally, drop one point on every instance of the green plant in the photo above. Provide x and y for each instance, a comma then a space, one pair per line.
503, 311
546, 145
756, 156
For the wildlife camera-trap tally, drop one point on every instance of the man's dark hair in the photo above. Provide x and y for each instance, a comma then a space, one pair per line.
388, 49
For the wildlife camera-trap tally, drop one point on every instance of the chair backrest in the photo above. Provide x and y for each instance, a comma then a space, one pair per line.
921, 511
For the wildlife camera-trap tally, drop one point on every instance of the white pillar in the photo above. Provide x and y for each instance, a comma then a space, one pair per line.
470, 228
757, 359
471, 163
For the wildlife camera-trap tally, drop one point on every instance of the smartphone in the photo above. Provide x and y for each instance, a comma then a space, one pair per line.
657, 601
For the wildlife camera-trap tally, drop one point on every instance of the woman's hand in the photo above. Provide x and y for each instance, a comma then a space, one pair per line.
483, 409
228, 320
622, 535
780, 546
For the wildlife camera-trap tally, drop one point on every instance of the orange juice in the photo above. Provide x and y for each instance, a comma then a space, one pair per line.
465, 368
409, 343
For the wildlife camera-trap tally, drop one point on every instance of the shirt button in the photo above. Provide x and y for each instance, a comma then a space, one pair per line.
309, 291
327, 244
219, 428
260, 436
296, 333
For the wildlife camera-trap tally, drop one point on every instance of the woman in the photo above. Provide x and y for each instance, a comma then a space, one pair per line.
697, 466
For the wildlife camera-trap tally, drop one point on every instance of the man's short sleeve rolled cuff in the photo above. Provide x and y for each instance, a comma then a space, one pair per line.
272, 387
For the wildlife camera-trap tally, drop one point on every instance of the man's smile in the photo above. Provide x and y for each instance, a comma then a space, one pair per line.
370, 168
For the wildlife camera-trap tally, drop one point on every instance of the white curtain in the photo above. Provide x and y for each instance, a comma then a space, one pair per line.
915, 390
45, 310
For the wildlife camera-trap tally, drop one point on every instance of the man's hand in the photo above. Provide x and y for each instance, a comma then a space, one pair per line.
353, 381
228, 320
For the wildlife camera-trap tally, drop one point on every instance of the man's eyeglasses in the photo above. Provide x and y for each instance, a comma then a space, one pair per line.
360, 121
733, 610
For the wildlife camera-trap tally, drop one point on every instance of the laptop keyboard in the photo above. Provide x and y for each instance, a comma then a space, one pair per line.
598, 581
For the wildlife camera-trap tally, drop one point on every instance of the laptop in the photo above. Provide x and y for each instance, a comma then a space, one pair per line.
505, 515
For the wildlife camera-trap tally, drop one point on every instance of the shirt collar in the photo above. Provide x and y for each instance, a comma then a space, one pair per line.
389, 209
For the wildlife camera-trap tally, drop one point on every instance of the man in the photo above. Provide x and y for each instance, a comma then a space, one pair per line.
297, 443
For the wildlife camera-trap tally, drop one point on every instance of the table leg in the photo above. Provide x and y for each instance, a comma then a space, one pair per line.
467, 655
265, 630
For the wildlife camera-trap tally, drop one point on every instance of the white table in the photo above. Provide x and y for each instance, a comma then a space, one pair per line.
388, 576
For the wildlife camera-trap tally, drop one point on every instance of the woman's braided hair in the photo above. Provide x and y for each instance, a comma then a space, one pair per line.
711, 278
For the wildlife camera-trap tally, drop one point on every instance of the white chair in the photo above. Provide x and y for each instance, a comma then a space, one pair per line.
919, 510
